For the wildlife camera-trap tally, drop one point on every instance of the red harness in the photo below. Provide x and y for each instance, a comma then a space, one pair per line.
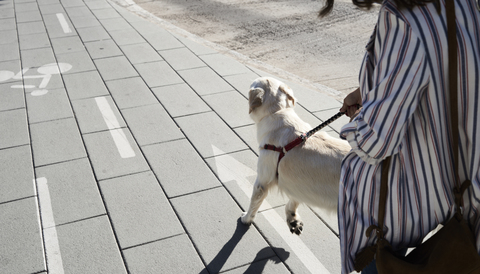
283, 150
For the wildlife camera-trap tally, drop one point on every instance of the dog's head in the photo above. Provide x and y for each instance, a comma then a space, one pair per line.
267, 96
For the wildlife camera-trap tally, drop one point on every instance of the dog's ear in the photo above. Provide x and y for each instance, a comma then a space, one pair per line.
289, 92
255, 98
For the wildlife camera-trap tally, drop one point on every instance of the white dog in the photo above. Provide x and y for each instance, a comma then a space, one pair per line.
308, 173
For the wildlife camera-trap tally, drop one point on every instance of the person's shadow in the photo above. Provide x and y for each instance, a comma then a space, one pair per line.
258, 264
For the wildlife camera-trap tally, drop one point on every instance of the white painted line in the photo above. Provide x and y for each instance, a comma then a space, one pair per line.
119, 137
63, 23
52, 248
228, 169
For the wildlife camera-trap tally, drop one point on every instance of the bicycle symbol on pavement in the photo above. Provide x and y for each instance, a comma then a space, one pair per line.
45, 73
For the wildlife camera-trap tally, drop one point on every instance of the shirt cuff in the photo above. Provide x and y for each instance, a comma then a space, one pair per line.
349, 132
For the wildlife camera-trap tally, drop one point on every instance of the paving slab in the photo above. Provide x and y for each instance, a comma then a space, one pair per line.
205, 80
136, 204
51, 8
88, 21
231, 106
105, 13
141, 53
249, 135
131, 92
151, 124
242, 82
9, 69
56, 141
34, 41
224, 65
114, 68
11, 98
9, 52
103, 49
127, 36
67, 44
74, 193
8, 36
224, 243
208, 133
79, 60
181, 59
90, 117
84, 85
30, 28
171, 162
180, 100
89, 246
21, 249
195, 47
161, 39
267, 266
165, 256
113, 24
53, 105
28, 16
158, 74
335, 125
14, 130
92, 33
17, 182
106, 158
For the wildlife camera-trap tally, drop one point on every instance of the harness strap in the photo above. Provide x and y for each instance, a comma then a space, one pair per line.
283, 150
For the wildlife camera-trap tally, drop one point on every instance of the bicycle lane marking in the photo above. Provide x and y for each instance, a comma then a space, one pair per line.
119, 137
229, 169
63, 23
47, 221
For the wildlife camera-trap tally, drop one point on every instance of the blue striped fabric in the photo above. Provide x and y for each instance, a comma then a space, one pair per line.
404, 86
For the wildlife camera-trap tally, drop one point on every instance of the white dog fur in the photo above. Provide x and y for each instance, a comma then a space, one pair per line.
309, 173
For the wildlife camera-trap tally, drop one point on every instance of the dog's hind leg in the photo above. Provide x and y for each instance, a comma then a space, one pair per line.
293, 219
260, 192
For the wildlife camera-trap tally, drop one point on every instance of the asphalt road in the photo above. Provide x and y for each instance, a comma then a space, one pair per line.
283, 34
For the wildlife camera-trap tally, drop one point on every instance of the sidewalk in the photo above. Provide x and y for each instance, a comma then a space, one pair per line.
125, 148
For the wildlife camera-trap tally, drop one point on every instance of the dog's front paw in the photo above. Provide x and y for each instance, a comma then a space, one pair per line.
246, 219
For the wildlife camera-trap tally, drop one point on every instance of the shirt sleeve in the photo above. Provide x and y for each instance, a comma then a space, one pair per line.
391, 90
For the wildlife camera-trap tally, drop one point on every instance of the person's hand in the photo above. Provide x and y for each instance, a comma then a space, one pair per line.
352, 104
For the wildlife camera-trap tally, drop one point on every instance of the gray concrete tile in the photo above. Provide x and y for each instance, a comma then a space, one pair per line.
55, 29
181, 59
28, 16
88, 21
98, 4
35, 58
313, 100
34, 41
180, 100
140, 53
23, 7
242, 82
8, 22
307, 116
316, 238
237, 171
47, 2
249, 135
161, 39
171, 255
113, 24
335, 125
231, 106
271, 265
131, 92
80, 61
73, 191
195, 47
73, 3
12, 98
89, 116
89, 246
103, 49
204, 81
158, 74
79, 11
105, 13
115, 68
17, 182
84, 85
56, 141
67, 44
136, 204
22, 248
8, 36
89, 34
208, 134
106, 158
171, 160
51, 8
13, 128
151, 124
226, 243
31, 28
126, 36
9, 70
7, 13
53, 105
9, 52
224, 65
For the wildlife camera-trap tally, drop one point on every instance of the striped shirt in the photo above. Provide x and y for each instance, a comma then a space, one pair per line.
404, 87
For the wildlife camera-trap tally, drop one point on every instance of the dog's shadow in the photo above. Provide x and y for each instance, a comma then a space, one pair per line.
258, 263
